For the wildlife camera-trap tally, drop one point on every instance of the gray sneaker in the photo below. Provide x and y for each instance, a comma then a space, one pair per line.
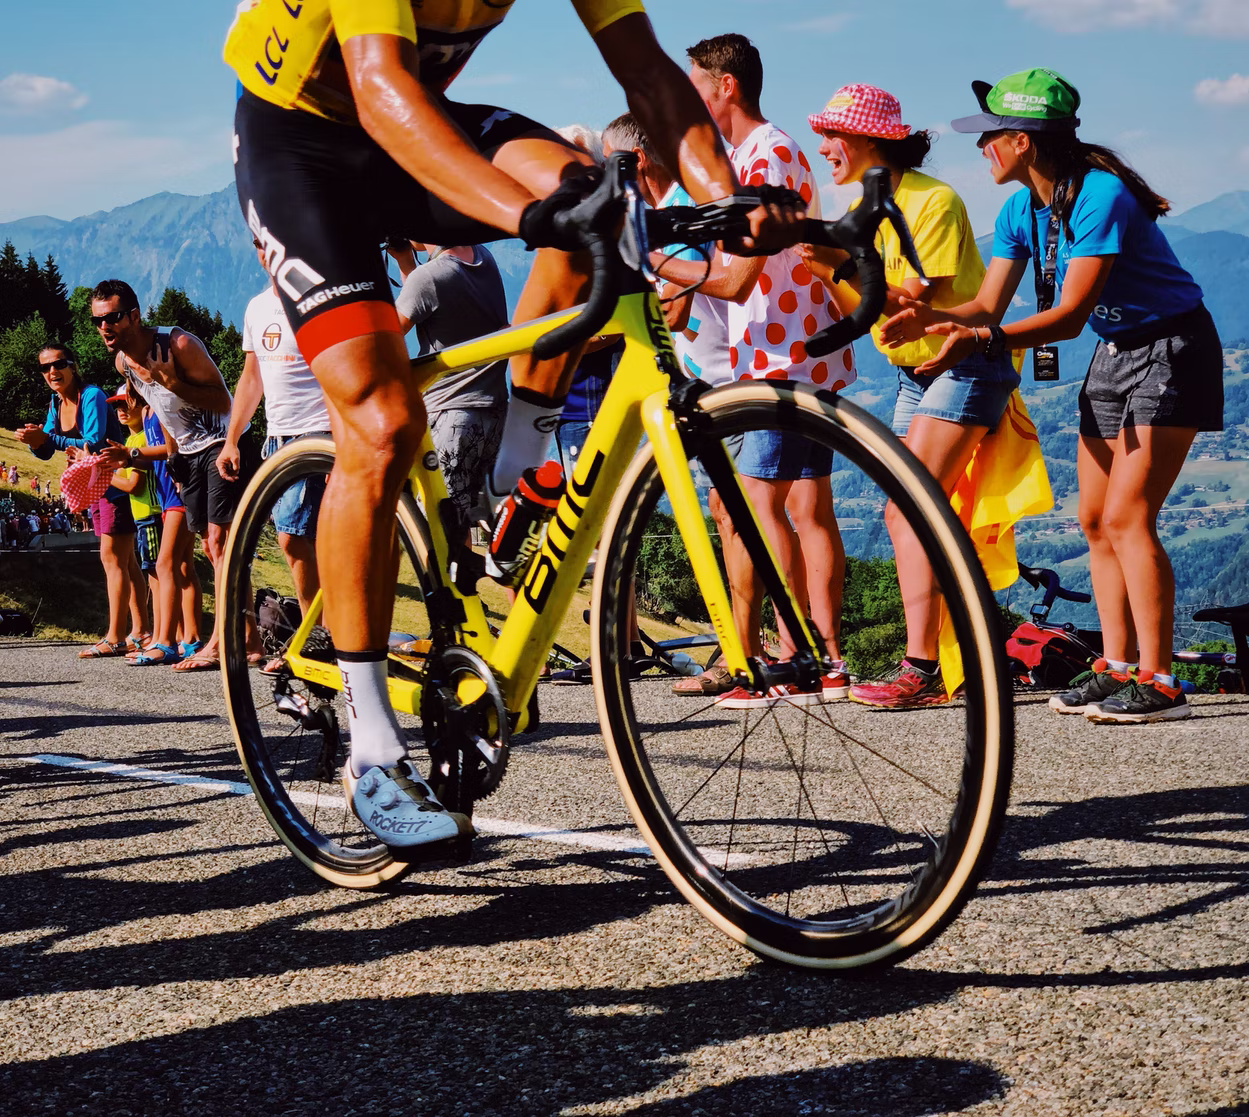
1142, 702
1093, 686
399, 807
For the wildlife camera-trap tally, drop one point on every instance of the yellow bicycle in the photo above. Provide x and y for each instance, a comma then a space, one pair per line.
822, 834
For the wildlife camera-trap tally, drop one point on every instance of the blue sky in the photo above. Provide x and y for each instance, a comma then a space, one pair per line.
103, 105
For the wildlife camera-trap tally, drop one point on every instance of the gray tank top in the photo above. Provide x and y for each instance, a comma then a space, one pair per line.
192, 428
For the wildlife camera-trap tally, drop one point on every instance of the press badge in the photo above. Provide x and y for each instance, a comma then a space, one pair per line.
1045, 362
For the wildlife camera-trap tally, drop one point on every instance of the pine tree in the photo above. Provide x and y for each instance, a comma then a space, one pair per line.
54, 298
15, 302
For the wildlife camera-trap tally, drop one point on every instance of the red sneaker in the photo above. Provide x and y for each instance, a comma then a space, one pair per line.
904, 688
739, 698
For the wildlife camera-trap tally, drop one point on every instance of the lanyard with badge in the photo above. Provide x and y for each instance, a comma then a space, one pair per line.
1045, 357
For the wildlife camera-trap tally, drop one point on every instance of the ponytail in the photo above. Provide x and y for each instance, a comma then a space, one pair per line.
906, 154
1071, 158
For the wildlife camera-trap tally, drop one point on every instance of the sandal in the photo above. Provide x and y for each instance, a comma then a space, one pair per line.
713, 681
137, 642
257, 659
103, 649
147, 657
188, 648
199, 662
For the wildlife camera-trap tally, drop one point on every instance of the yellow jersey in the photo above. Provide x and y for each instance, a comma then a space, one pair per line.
288, 51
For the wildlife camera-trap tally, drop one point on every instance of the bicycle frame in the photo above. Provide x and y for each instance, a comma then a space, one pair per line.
636, 403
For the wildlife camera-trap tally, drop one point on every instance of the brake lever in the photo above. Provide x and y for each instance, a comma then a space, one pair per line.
634, 242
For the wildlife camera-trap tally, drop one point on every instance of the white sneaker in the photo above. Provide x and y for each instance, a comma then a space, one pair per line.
399, 807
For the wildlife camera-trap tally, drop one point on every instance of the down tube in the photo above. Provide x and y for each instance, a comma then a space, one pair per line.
548, 588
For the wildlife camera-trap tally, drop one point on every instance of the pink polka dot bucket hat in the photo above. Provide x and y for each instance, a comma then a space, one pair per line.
863, 110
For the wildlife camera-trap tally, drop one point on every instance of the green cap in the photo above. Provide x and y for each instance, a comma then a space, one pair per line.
1029, 101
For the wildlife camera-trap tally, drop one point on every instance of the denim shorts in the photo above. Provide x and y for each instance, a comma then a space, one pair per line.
974, 393
570, 437
295, 512
771, 455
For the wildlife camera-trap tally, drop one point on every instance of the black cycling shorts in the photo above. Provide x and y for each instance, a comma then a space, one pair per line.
321, 197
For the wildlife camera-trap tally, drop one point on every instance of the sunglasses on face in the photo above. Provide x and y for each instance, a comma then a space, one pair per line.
109, 319
59, 363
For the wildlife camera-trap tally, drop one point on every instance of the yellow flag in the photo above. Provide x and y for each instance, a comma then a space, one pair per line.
1004, 481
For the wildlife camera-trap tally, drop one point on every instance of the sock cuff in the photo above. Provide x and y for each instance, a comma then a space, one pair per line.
361, 657
537, 399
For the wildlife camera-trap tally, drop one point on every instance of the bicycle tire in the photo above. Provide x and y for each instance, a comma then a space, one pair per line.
847, 903
276, 754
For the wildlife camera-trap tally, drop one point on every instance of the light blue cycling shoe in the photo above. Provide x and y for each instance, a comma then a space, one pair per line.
399, 807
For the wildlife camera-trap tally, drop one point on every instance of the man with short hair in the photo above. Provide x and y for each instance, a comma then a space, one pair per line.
172, 372
773, 306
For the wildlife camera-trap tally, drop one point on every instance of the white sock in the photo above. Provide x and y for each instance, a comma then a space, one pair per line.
1116, 665
526, 435
376, 739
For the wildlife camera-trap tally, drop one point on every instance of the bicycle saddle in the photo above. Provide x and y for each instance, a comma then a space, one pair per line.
1234, 616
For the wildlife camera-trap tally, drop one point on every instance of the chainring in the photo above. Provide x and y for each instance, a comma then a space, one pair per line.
468, 744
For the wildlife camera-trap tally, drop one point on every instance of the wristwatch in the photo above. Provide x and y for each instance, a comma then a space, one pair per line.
996, 345
135, 455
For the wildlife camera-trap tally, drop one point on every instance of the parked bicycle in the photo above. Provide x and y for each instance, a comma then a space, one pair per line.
819, 834
1050, 654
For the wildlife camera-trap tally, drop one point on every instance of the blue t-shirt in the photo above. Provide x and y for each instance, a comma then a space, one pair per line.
1146, 283
162, 484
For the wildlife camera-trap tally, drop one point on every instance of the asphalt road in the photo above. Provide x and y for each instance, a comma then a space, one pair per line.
160, 953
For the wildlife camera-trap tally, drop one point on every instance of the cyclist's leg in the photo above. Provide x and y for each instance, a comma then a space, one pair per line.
1094, 459
539, 160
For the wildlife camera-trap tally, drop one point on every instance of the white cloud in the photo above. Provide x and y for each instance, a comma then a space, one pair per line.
1219, 18
1222, 18
194, 160
1233, 91
33, 93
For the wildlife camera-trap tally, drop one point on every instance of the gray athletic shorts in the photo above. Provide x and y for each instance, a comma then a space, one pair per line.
467, 440
1174, 381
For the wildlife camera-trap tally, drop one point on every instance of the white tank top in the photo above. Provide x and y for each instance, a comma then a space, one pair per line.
192, 428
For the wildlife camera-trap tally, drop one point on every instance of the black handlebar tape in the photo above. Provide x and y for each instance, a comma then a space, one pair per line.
872, 292
596, 312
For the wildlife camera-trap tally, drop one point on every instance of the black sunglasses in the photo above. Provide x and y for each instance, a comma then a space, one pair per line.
60, 362
109, 319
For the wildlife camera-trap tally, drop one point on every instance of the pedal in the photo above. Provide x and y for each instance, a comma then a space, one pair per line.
449, 852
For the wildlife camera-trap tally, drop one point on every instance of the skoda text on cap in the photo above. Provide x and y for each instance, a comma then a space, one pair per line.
1029, 101
863, 110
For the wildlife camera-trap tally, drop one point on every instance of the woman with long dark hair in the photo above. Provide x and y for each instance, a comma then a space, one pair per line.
1088, 224
80, 419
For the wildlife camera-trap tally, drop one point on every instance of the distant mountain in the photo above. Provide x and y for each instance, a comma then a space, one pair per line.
200, 244
1228, 213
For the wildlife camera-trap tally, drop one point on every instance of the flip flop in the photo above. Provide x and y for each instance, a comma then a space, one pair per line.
102, 649
715, 680
198, 662
168, 657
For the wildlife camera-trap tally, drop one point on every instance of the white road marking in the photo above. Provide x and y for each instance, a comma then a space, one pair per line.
503, 827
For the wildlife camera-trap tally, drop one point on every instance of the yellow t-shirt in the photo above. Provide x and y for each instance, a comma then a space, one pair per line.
946, 247
287, 51
141, 505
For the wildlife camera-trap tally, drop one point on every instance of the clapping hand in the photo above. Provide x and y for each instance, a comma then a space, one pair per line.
31, 435
912, 323
115, 454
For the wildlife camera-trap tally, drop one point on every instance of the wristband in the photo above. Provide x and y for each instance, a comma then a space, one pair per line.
996, 344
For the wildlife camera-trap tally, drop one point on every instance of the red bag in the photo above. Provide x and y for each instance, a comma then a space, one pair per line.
85, 481
1047, 657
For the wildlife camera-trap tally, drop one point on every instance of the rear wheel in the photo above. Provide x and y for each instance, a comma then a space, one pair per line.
292, 734
827, 834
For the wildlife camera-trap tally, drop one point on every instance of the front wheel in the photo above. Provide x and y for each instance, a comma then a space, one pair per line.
813, 830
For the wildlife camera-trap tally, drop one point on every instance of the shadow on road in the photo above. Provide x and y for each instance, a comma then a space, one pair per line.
503, 1053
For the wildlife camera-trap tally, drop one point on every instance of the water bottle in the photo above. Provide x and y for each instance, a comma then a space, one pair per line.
686, 665
521, 519
1187, 687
